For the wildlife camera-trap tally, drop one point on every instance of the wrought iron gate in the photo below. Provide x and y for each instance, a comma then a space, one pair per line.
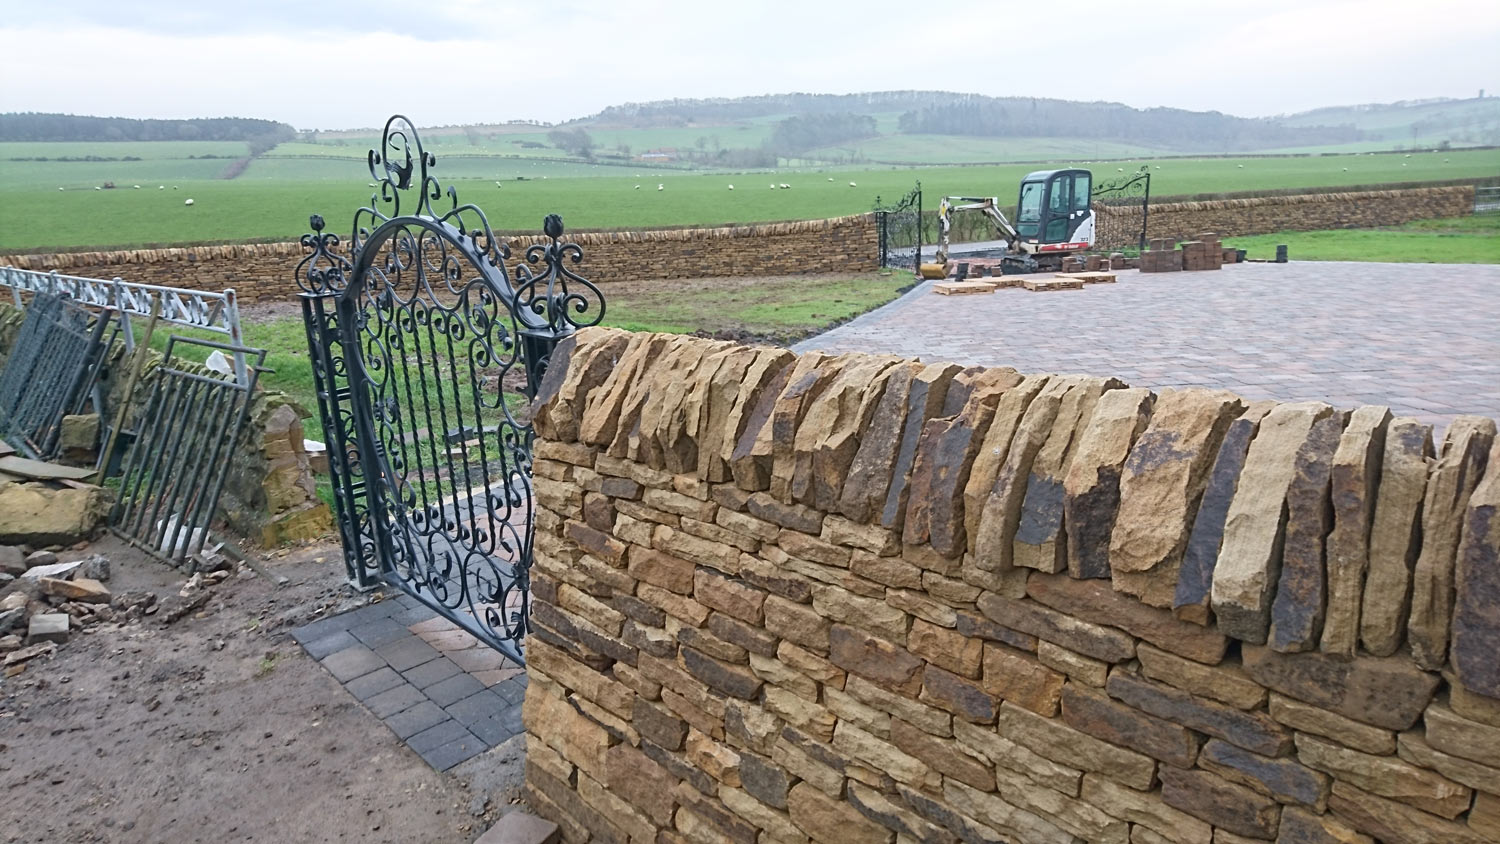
900, 228
425, 348
1130, 189
48, 374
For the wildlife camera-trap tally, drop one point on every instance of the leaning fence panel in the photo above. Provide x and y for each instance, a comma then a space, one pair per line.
201, 309
56, 356
175, 471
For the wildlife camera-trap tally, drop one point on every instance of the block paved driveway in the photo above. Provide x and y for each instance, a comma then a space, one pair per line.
1423, 339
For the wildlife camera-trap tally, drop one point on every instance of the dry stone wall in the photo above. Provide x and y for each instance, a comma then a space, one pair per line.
783, 598
1120, 226
261, 273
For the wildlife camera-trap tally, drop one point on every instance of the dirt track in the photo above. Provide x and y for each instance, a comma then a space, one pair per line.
214, 729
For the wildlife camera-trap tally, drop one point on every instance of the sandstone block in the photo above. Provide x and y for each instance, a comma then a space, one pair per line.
775, 825
830, 433
729, 595
854, 743
1394, 535
962, 697
1040, 542
796, 622
1220, 802
723, 677
1415, 749
1395, 823
947, 756
929, 718
1471, 705
749, 456
876, 659
876, 616
934, 510
1094, 713
831, 821
945, 648
793, 516
1162, 481
1145, 810
1021, 679
1001, 751
1466, 448
998, 820
1484, 818
1091, 486
1001, 513
1061, 743
658, 725
1354, 478
871, 538
1224, 683
929, 390
641, 782
1389, 692
1476, 617
764, 780
1249, 562
1101, 604
1297, 609
1253, 731
1283, 779
870, 471
893, 816
1091, 672
993, 451
1299, 826
660, 569
1092, 640
735, 392
1190, 598
1461, 737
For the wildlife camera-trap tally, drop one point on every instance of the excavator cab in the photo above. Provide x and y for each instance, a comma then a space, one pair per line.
1052, 211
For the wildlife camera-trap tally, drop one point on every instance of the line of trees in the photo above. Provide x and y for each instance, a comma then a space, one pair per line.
1172, 128
808, 131
41, 126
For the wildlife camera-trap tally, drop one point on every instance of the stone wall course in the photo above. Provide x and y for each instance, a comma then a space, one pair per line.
741, 644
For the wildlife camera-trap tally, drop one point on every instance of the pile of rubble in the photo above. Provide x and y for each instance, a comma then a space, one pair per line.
44, 602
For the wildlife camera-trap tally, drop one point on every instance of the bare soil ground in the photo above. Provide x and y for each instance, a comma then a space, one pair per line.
217, 728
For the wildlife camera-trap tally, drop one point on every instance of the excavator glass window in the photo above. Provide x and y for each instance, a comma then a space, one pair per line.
1081, 192
1029, 209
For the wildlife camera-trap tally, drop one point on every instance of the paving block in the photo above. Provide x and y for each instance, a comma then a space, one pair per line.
408, 723
430, 672
521, 828
407, 653
394, 700
47, 627
453, 689
372, 684
351, 662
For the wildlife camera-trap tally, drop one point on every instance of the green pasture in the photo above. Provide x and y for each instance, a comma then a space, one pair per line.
1457, 240
274, 197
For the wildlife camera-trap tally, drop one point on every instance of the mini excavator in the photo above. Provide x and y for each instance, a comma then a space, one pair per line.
1053, 220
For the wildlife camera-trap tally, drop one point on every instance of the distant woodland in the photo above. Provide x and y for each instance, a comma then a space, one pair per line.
38, 126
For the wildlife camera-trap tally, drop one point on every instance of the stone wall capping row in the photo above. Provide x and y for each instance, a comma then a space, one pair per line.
856, 598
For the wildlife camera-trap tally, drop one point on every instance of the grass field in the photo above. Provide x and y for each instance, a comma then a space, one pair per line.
777, 310
1459, 240
944, 149
274, 202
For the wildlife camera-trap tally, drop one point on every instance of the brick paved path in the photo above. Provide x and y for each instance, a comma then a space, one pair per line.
439, 689
1421, 338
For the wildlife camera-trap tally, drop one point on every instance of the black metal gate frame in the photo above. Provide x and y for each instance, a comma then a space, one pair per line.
175, 472
901, 222
1130, 185
57, 354
385, 319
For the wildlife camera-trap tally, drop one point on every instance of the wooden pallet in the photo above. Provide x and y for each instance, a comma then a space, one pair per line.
1040, 285
961, 288
1091, 277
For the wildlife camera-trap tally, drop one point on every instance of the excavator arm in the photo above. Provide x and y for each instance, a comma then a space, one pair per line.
989, 206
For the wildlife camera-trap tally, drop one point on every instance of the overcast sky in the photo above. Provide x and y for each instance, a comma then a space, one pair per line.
338, 63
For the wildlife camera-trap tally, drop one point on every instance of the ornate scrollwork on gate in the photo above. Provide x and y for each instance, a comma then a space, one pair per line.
443, 349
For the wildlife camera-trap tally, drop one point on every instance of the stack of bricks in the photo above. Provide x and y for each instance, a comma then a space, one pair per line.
1161, 257
1072, 264
1204, 253
855, 598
